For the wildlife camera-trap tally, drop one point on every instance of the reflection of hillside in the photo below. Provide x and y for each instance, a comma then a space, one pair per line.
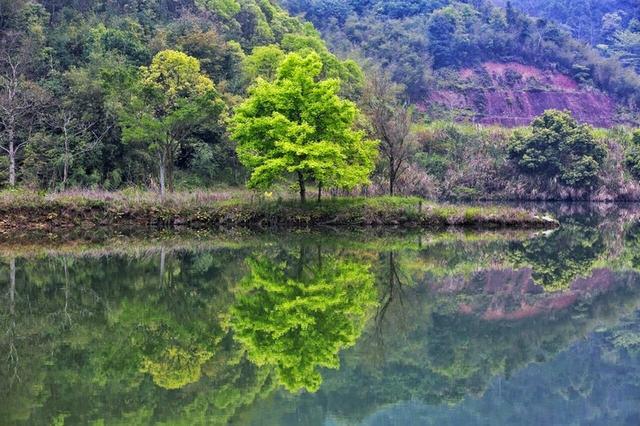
432, 353
203, 331
104, 339
513, 295
596, 382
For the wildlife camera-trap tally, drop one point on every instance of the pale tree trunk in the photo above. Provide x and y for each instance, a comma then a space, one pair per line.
162, 170
11, 151
65, 173
12, 164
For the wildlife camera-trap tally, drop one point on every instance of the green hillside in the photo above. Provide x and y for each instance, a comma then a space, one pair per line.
419, 40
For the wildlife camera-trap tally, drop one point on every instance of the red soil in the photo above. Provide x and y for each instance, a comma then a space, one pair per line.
501, 99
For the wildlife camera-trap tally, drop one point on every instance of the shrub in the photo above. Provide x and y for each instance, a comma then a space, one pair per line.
632, 157
557, 147
434, 164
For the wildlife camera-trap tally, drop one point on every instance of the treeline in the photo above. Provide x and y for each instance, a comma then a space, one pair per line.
82, 81
417, 41
612, 26
555, 158
594, 21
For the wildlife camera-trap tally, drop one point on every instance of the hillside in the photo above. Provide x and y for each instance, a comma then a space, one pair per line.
430, 47
184, 95
594, 21
512, 95
66, 68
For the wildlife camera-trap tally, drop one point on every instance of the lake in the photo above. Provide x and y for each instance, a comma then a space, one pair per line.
328, 328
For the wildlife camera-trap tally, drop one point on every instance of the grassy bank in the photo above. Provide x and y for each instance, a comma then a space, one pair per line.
66, 212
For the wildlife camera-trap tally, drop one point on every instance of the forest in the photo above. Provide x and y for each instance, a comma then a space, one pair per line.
181, 95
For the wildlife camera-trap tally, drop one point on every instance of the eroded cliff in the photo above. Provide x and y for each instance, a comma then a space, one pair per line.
512, 94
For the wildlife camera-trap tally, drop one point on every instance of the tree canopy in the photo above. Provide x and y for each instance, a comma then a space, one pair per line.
298, 125
558, 147
171, 100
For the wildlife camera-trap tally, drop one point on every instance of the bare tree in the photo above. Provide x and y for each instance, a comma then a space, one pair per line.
19, 99
76, 135
391, 121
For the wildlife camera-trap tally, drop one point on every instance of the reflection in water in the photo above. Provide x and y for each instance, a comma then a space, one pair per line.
440, 329
296, 313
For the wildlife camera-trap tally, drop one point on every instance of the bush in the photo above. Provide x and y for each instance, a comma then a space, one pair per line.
557, 147
632, 157
434, 164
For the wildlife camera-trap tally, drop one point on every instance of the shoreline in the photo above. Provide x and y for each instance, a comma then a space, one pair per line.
62, 214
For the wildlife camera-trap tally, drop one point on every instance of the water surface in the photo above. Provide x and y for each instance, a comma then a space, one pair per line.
328, 328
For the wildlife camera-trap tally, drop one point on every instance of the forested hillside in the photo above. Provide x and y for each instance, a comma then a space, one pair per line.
70, 70
598, 22
189, 94
423, 43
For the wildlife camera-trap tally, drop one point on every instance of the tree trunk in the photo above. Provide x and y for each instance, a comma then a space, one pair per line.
392, 176
12, 165
303, 189
162, 170
12, 157
319, 191
65, 173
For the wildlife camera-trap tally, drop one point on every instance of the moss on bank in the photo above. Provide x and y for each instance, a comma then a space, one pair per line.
20, 212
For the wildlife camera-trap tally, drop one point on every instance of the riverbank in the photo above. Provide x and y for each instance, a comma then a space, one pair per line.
119, 212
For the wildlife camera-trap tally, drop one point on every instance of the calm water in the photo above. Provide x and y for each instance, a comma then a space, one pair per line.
475, 328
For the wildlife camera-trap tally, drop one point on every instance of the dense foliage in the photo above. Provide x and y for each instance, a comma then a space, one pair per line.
314, 309
196, 93
632, 155
612, 26
417, 40
558, 148
77, 109
297, 125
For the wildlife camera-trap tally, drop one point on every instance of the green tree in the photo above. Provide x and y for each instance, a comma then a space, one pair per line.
171, 100
627, 46
298, 125
297, 320
263, 62
558, 147
559, 259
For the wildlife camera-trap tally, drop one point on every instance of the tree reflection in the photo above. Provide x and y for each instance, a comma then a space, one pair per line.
296, 316
199, 337
561, 257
